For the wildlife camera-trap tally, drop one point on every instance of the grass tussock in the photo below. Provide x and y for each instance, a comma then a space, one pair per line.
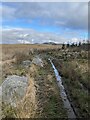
73, 82
8, 50
28, 106
42, 98
21, 56
8, 111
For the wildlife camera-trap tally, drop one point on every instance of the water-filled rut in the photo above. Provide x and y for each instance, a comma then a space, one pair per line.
67, 105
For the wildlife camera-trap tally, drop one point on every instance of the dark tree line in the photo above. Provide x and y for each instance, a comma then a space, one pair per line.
75, 44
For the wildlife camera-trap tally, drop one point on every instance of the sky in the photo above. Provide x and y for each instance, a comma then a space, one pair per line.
60, 21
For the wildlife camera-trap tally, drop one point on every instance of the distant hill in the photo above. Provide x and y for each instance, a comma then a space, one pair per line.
50, 43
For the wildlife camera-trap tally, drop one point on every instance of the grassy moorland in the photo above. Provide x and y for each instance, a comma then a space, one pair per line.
42, 99
72, 64
9, 50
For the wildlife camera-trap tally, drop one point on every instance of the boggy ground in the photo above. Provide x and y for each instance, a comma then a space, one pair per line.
42, 98
77, 92
72, 65
42, 93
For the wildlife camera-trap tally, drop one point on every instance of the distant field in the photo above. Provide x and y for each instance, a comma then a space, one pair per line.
33, 46
9, 49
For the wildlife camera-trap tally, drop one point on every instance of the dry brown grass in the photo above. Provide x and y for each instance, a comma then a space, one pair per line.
8, 51
28, 106
75, 79
42, 97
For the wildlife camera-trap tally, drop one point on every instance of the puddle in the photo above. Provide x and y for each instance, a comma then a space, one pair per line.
65, 100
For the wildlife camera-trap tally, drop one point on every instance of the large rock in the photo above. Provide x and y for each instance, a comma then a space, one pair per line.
38, 61
13, 89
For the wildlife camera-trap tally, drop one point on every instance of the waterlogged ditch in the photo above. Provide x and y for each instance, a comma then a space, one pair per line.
57, 103
77, 94
67, 105
41, 98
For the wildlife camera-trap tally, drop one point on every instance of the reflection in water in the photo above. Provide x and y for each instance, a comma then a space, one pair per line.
65, 100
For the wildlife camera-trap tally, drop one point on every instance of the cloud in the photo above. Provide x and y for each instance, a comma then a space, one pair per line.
7, 12
15, 35
73, 15
19, 35
45, 0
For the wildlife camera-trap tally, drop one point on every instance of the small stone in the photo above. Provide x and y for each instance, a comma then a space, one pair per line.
26, 63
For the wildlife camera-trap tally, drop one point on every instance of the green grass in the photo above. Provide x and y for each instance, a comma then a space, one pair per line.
49, 93
8, 111
72, 79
